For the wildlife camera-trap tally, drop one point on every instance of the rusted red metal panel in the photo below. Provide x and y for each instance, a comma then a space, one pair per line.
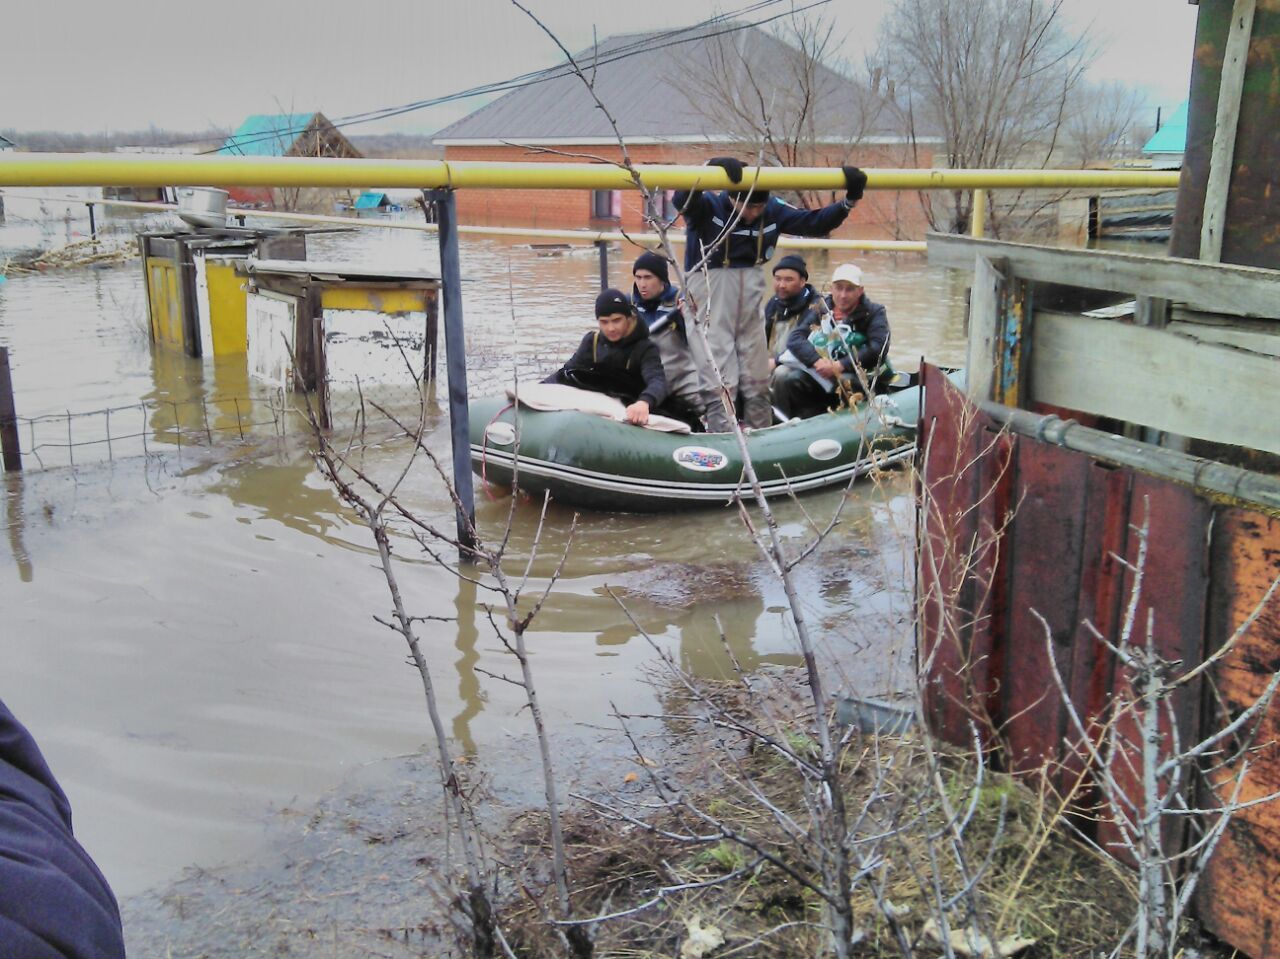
949, 479
1242, 882
1092, 668
988, 558
1169, 613
1237, 896
1070, 552
1045, 555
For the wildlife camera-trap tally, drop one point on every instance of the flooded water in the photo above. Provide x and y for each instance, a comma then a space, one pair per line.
190, 635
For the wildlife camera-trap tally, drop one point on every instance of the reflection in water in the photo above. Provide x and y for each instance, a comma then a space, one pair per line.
287, 491
15, 520
711, 642
718, 619
469, 692
178, 387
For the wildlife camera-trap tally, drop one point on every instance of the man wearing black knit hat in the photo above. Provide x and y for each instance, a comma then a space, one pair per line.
729, 235
795, 300
618, 359
657, 303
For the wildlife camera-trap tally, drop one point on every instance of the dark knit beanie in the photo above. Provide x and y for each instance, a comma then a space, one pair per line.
613, 301
655, 264
792, 262
750, 196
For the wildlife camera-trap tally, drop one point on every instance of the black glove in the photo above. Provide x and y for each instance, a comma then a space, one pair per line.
855, 181
731, 166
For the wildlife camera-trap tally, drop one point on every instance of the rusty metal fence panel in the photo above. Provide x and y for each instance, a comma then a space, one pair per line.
1013, 529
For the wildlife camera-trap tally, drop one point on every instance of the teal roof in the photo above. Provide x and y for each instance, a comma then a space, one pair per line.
266, 135
371, 201
1172, 137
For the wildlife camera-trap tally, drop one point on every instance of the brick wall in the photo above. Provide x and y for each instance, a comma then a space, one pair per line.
881, 215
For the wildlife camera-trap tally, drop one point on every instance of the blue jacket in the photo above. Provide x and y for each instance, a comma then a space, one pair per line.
706, 214
869, 319
54, 903
662, 312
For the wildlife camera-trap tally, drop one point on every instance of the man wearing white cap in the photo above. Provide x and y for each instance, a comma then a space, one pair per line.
820, 364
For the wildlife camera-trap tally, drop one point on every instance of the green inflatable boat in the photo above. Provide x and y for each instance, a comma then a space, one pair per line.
587, 460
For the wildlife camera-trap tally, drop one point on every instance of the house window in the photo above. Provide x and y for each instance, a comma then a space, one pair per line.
606, 204
662, 205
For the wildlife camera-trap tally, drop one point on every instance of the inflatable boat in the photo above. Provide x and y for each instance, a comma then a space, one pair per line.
594, 459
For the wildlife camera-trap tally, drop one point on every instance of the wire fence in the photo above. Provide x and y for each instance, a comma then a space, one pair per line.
374, 409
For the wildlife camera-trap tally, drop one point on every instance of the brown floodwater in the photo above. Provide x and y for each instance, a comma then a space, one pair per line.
189, 631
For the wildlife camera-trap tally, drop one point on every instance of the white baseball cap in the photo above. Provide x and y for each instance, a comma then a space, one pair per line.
848, 273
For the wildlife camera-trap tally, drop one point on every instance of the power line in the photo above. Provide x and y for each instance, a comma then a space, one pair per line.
647, 44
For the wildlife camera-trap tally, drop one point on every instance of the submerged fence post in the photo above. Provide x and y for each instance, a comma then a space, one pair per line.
456, 364
603, 247
12, 452
93, 223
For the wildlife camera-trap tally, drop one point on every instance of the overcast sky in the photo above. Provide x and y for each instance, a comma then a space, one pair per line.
90, 65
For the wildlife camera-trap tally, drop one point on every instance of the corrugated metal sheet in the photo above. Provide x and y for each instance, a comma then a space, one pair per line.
266, 135
1068, 552
649, 82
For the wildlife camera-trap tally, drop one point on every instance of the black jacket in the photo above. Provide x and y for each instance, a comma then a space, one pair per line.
780, 316
630, 369
54, 903
662, 312
869, 319
706, 214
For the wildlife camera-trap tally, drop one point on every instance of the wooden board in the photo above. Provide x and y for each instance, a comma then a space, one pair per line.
1156, 378
1216, 287
985, 298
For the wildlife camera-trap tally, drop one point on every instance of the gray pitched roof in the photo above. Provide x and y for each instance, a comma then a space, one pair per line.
654, 85
5, 142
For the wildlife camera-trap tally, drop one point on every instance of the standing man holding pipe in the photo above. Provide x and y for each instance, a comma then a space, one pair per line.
730, 235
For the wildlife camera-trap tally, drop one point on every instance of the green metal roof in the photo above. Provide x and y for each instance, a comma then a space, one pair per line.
371, 200
266, 135
1172, 137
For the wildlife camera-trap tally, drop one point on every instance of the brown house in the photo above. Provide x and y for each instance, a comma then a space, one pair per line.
681, 97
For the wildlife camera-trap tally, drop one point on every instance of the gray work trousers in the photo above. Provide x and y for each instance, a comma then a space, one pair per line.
729, 302
678, 365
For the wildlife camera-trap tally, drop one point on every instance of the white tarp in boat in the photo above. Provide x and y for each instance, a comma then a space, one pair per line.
553, 396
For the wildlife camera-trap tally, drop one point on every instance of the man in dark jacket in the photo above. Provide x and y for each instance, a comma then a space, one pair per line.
618, 359
54, 903
795, 301
810, 379
729, 235
657, 304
